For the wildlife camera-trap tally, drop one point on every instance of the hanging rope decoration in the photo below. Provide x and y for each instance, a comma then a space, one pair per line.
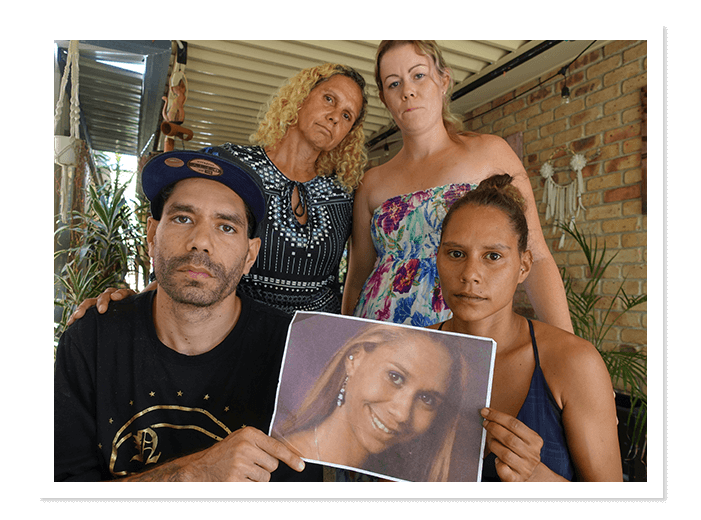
67, 150
562, 203
72, 69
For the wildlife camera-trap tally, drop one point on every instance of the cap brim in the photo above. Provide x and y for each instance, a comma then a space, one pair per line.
171, 167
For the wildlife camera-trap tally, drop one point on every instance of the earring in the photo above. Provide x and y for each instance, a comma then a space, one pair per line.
342, 393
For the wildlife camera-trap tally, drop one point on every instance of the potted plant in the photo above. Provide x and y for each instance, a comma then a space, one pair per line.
627, 366
105, 246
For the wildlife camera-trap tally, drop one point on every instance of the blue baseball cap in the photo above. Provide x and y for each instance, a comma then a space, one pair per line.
213, 163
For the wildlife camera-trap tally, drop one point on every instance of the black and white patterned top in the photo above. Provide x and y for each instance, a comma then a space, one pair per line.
297, 267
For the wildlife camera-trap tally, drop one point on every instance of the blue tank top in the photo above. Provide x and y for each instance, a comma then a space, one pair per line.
541, 414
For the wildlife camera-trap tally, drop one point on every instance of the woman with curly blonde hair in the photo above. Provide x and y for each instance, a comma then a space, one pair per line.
347, 159
310, 156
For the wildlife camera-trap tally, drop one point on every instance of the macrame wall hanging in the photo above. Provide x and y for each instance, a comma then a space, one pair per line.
563, 202
67, 148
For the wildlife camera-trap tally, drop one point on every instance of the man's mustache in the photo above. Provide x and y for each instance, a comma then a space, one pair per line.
196, 258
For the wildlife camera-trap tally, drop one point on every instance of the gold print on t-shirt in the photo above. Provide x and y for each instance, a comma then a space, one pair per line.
146, 439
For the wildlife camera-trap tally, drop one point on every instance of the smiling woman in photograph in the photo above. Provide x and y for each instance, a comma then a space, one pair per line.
388, 402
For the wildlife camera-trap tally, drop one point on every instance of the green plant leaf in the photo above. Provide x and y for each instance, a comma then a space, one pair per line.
591, 322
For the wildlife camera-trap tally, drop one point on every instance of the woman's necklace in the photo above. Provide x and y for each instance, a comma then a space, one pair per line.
316, 443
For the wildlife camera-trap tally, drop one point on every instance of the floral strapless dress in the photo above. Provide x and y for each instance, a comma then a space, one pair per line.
406, 232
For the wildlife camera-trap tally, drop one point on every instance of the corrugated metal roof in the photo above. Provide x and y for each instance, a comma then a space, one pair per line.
230, 82
110, 102
119, 108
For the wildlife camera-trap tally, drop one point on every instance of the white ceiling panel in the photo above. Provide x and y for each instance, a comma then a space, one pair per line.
230, 81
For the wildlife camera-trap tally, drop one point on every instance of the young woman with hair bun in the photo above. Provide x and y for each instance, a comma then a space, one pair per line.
551, 416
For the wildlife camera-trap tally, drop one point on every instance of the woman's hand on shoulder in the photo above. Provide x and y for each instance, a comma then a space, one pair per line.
101, 302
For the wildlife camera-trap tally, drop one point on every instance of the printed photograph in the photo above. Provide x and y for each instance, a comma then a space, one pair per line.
393, 401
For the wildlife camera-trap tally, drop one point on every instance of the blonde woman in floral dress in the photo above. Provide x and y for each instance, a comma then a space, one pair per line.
400, 205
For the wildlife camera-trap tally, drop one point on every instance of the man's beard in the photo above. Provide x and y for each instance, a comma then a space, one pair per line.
193, 291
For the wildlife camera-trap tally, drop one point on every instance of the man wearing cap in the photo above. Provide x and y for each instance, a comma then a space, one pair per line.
179, 383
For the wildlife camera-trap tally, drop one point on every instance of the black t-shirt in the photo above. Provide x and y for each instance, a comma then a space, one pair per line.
124, 402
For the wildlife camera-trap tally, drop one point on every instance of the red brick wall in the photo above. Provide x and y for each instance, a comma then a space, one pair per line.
604, 121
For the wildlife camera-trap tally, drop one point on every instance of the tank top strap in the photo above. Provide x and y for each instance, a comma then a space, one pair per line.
535, 346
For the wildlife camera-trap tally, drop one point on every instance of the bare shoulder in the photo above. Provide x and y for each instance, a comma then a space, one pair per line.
486, 142
489, 155
504, 155
367, 192
372, 177
560, 343
381, 183
569, 362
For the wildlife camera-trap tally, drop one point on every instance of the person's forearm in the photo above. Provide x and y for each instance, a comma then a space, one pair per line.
174, 471
546, 293
360, 265
351, 292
